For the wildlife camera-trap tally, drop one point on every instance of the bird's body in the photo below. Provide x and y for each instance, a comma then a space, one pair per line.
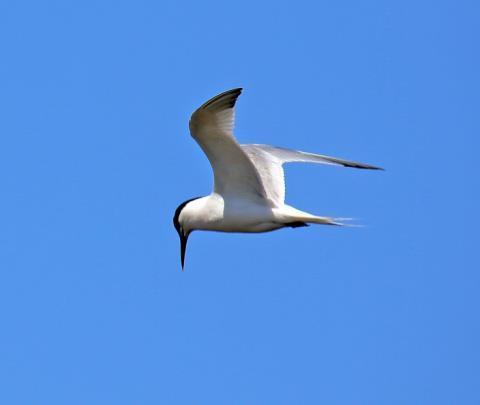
249, 188
223, 214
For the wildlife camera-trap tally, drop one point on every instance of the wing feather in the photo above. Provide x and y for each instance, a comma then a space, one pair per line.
290, 156
211, 126
269, 162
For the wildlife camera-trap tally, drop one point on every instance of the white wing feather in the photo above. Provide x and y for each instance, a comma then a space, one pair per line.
269, 160
211, 126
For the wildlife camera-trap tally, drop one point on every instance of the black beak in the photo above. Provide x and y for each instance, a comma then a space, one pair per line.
183, 247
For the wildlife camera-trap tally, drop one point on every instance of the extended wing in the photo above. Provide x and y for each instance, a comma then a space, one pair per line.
269, 160
212, 127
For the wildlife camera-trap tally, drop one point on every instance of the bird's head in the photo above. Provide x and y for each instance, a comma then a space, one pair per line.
182, 228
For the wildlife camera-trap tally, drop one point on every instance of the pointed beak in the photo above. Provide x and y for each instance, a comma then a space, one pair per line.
183, 247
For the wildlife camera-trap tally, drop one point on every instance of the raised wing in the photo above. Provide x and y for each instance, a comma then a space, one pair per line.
212, 127
269, 160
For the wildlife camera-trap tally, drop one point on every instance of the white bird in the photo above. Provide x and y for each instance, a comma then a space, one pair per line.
249, 186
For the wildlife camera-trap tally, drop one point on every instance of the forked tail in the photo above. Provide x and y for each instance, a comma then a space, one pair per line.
295, 218
324, 221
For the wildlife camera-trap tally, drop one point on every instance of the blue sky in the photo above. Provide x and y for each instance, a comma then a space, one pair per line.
95, 155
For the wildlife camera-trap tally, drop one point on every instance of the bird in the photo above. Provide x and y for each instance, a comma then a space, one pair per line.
249, 188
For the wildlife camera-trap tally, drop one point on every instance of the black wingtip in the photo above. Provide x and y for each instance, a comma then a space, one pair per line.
363, 166
227, 99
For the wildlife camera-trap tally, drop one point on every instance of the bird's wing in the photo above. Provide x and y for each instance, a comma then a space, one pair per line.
270, 169
211, 126
290, 155
269, 161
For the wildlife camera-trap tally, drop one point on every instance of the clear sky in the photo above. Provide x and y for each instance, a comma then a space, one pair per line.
95, 156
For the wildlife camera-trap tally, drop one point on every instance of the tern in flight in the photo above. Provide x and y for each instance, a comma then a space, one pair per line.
249, 186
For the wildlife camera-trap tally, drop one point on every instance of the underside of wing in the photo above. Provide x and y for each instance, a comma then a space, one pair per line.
211, 126
269, 161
